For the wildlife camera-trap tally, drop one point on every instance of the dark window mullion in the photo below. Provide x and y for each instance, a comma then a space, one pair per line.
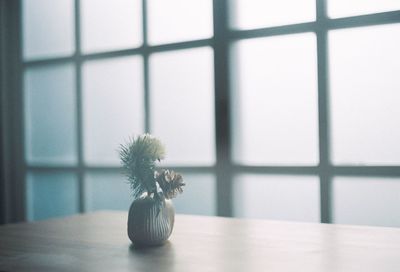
323, 114
222, 109
146, 79
79, 107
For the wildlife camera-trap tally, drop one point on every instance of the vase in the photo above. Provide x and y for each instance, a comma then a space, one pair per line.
150, 223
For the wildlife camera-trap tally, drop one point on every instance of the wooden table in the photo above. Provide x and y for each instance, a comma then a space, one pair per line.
98, 242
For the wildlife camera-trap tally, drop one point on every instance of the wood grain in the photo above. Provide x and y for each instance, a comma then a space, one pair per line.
98, 242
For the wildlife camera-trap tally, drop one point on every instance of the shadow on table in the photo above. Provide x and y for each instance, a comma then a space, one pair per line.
156, 257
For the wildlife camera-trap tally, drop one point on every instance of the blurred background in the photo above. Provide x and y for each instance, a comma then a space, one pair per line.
284, 110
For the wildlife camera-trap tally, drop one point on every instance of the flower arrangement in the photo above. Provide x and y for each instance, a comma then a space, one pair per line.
138, 157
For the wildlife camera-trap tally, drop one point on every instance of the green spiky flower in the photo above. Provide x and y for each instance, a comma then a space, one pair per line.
138, 157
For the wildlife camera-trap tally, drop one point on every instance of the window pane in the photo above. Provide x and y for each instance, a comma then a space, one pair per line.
199, 195
277, 197
50, 118
182, 105
367, 201
51, 194
275, 100
112, 107
107, 191
364, 65
47, 28
179, 20
248, 14
344, 8
110, 25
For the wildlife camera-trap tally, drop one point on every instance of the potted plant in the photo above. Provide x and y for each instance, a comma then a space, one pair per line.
151, 215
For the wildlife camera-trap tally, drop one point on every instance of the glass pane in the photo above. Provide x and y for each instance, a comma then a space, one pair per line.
182, 105
344, 8
367, 201
275, 119
111, 25
50, 115
47, 28
51, 195
112, 107
199, 195
365, 98
107, 191
248, 14
277, 197
179, 20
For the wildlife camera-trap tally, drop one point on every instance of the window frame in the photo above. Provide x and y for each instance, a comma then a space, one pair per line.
224, 169
325, 170
12, 185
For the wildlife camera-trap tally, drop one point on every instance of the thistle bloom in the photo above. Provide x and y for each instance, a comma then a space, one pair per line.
138, 157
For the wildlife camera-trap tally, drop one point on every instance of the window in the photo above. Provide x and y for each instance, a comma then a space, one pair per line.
94, 75
270, 109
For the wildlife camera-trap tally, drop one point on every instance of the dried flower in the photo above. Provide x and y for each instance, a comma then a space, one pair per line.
170, 182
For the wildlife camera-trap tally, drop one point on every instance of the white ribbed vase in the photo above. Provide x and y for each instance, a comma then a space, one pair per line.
148, 226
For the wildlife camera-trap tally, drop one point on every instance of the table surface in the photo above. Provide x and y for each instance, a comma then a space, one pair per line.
98, 242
